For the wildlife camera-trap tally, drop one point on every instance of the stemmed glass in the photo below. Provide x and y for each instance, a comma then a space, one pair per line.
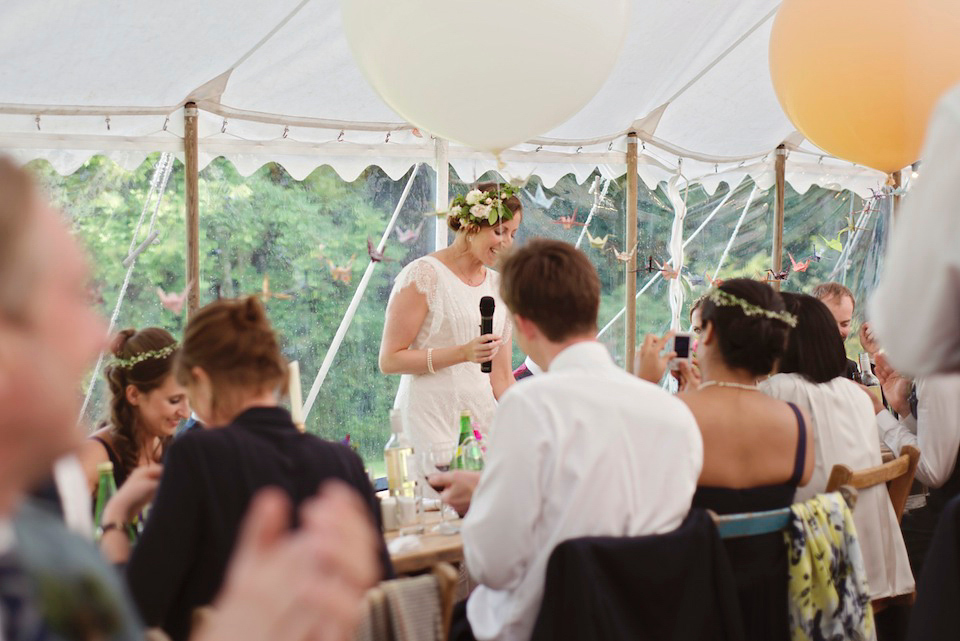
438, 458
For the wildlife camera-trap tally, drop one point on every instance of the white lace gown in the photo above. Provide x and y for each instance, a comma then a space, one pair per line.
430, 404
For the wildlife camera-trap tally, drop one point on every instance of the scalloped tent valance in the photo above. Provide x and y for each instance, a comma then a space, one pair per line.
276, 82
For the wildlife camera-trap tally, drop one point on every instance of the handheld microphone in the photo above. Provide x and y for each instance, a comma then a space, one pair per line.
486, 326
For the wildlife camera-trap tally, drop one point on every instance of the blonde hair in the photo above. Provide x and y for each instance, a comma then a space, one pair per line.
823, 291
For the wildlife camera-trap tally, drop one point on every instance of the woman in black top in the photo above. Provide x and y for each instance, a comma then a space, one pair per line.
756, 449
232, 367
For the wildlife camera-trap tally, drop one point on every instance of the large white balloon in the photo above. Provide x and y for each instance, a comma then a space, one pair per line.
488, 74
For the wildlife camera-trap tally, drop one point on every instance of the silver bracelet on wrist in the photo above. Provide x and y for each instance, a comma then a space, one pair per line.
430, 361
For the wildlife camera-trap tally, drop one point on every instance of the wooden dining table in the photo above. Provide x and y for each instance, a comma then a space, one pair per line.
433, 548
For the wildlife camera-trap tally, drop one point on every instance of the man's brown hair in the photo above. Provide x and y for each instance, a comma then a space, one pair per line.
823, 291
554, 285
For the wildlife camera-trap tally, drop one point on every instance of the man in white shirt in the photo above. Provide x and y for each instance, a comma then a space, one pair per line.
584, 450
916, 309
935, 431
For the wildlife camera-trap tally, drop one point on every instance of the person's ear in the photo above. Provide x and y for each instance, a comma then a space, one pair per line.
707, 335
133, 395
526, 327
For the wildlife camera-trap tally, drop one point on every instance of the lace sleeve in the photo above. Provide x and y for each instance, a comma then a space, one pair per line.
421, 274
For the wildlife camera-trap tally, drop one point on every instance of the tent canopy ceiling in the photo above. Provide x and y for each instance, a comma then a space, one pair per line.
276, 82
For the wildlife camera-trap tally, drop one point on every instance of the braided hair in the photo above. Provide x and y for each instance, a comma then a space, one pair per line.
146, 375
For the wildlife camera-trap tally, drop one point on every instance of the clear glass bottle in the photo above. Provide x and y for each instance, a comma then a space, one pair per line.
398, 453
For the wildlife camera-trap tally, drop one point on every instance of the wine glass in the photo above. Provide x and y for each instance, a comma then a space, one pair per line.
439, 457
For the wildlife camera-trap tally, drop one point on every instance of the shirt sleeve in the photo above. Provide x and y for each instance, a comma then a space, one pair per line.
167, 547
937, 432
498, 531
915, 311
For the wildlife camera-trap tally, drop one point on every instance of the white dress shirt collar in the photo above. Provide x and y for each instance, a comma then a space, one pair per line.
532, 367
585, 355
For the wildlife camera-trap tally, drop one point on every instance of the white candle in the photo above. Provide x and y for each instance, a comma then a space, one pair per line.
296, 397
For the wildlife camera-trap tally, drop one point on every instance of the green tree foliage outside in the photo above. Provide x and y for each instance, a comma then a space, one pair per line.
269, 226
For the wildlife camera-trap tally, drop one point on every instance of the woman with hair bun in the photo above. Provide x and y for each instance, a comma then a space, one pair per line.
756, 450
146, 405
234, 373
431, 335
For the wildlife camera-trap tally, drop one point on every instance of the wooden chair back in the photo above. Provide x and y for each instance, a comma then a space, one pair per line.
897, 474
379, 624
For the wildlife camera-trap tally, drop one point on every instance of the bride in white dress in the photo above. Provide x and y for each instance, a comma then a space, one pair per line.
432, 330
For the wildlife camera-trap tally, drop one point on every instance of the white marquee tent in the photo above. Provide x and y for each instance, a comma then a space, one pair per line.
275, 81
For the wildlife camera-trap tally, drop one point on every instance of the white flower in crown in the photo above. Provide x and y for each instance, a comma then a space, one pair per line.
489, 201
480, 211
456, 210
473, 197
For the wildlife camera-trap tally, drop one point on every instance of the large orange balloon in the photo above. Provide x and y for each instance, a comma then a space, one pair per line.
860, 78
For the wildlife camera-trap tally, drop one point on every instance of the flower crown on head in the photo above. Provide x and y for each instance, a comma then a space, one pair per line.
477, 207
721, 298
163, 352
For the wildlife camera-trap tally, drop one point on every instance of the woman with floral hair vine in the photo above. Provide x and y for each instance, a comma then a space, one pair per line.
431, 334
146, 405
756, 450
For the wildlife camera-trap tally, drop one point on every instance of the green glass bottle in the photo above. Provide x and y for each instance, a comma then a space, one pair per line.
106, 488
466, 433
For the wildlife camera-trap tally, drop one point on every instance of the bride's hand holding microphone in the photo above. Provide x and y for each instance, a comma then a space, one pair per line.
481, 349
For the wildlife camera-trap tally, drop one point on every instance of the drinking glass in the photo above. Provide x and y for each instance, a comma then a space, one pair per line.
439, 457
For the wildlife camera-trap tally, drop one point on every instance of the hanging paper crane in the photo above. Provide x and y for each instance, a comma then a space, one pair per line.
835, 244
817, 254
540, 199
695, 280
265, 294
624, 257
773, 276
798, 267
376, 255
714, 282
344, 273
409, 236
597, 243
569, 221
173, 302
851, 227
669, 273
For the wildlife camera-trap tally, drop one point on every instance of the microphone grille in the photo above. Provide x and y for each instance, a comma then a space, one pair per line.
487, 305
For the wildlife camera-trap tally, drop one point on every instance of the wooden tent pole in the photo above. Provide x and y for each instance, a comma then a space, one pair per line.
192, 180
781, 171
630, 295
